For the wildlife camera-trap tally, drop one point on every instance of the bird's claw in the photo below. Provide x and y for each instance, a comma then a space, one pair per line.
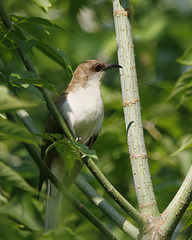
77, 139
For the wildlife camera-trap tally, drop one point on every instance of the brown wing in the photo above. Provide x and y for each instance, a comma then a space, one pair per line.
51, 127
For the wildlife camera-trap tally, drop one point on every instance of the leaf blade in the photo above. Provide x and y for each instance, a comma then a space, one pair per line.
186, 58
14, 131
56, 55
13, 178
9, 103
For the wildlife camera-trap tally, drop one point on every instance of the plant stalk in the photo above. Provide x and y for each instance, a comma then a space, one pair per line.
132, 110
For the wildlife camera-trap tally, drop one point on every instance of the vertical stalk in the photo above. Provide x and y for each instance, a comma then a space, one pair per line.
132, 114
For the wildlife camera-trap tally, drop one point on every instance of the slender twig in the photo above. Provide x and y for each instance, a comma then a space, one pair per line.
28, 122
175, 210
123, 203
99, 201
132, 112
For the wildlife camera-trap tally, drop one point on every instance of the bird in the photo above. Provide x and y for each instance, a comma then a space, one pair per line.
81, 106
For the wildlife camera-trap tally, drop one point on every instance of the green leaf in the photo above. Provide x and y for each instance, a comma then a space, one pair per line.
9, 103
85, 150
22, 75
36, 23
26, 45
9, 229
68, 153
183, 87
8, 175
190, 206
188, 222
32, 89
30, 78
183, 83
37, 31
14, 131
56, 55
51, 136
186, 58
43, 4
69, 234
187, 143
5, 53
25, 211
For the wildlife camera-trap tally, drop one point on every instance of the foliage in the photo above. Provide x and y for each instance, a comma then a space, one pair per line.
80, 30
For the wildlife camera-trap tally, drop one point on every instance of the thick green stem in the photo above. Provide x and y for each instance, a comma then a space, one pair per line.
132, 110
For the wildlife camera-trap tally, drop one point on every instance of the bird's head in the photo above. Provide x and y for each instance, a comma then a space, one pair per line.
92, 72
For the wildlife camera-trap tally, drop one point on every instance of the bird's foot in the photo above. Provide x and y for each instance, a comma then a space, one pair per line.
77, 139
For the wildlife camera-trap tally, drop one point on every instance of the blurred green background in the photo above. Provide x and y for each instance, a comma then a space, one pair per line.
162, 31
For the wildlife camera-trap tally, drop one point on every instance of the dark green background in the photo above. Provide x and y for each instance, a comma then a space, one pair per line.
162, 31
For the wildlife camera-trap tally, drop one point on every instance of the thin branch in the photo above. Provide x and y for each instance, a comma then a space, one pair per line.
99, 201
123, 203
28, 122
132, 113
175, 210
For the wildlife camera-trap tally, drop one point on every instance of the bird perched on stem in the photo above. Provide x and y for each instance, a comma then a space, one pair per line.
82, 108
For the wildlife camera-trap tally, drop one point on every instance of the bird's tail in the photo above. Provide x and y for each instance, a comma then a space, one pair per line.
53, 207
54, 197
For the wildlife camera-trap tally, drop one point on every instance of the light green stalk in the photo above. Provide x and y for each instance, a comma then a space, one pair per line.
132, 110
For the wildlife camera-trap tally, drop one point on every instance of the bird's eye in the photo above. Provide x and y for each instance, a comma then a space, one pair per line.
98, 67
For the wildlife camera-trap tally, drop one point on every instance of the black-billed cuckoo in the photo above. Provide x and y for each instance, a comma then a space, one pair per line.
82, 108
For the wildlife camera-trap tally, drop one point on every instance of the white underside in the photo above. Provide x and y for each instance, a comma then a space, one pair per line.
83, 112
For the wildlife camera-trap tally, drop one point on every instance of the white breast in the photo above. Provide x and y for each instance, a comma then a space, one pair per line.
83, 112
